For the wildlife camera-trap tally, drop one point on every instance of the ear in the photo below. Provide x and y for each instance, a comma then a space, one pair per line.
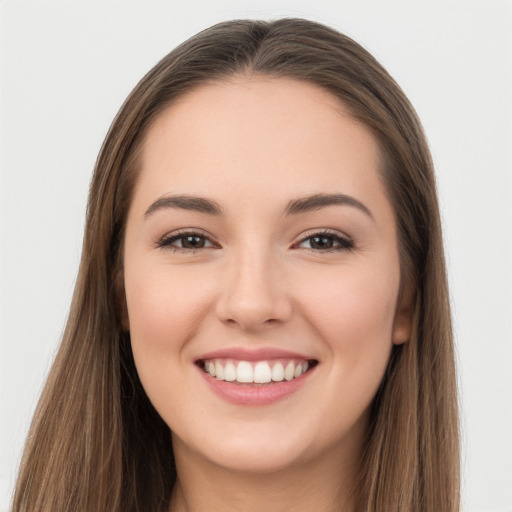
402, 327
122, 307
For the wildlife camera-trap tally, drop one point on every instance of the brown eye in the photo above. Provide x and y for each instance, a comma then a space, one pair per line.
193, 242
186, 242
321, 242
326, 242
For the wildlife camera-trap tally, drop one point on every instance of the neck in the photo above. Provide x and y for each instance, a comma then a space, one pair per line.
322, 486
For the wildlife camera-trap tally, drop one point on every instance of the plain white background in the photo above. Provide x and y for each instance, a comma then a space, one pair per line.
67, 66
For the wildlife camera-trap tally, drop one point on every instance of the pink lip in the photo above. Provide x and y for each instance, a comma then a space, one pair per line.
260, 354
254, 394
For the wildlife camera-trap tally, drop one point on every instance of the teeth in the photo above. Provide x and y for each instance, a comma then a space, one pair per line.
289, 371
244, 372
261, 372
277, 372
230, 372
219, 371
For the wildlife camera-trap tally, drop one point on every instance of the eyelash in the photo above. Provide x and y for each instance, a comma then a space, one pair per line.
344, 243
167, 241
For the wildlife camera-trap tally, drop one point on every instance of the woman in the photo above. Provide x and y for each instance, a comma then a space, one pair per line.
261, 317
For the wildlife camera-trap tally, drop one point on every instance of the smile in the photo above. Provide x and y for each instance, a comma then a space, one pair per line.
256, 372
255, 377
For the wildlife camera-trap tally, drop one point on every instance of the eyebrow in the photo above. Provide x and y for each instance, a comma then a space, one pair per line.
184, 202
294, 207
317, 201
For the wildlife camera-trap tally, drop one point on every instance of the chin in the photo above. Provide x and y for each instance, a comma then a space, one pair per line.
253, 449
257, 459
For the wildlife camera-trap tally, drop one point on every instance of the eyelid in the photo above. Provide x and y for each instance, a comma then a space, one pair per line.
348, 242
345, 242
166, 240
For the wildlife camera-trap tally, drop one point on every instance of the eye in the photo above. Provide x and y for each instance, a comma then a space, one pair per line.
186, 241
325, 242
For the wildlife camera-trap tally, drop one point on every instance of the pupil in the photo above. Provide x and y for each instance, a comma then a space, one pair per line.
321, 242
193, 242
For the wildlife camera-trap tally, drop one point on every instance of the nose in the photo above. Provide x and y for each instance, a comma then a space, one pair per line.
254, 294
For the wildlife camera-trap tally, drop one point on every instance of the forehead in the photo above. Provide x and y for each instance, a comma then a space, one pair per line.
258, 136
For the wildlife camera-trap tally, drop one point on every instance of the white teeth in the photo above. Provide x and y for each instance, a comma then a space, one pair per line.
244, 372
262, 373
289, 371
230, 373
277, 372
219, 371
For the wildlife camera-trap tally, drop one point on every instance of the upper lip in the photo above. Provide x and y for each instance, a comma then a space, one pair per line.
259, 354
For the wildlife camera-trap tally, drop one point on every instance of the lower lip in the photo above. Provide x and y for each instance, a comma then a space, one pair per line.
254, 394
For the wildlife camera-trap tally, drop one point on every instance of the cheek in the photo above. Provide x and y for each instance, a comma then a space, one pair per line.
163, 307
353, 314
357, 304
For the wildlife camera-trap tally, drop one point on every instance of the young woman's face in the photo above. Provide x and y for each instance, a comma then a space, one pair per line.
262, 275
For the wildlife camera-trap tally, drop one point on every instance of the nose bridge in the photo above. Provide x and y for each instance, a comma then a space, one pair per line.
254, 294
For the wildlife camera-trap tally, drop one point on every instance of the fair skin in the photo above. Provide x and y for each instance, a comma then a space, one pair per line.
255, 271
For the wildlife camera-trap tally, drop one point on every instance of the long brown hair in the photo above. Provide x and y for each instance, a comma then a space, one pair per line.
96, 443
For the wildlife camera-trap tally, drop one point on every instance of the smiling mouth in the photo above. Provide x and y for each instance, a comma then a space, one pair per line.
256, 372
